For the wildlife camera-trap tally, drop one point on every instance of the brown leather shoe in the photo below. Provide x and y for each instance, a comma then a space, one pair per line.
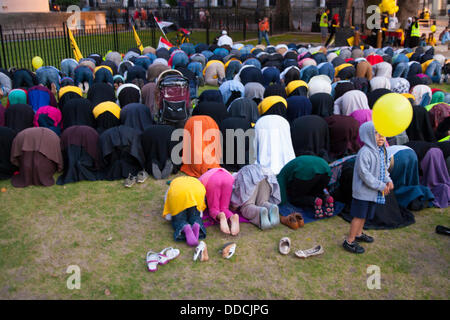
289, 221
299, 218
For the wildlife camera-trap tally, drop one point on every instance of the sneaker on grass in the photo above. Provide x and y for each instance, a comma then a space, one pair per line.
130, 181
142, 176
353, 247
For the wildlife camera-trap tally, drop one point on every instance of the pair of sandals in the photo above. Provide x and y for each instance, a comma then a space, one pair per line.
329, 208
160, 258
285, 247
201, 252
293, 221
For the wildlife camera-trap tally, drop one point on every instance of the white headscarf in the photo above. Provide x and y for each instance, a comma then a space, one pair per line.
380, 82
272, 143
383, 69
419, 91
351, 101
318, 85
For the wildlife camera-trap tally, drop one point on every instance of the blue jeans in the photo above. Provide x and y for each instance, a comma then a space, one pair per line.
68, 67
188, 216
263, 34
47, 75
401, 70
434, 71
83, 74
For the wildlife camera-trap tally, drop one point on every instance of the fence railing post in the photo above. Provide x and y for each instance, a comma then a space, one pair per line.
3, 57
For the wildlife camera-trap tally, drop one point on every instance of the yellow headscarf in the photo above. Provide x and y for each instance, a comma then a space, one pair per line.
105, 67
107, 106
342, 66
268, 102
294, 85
66, 89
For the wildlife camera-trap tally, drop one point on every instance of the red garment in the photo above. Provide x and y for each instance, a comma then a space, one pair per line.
374, 59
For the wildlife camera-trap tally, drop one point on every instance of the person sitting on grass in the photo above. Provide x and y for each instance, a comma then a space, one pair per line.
371, 183
184, 206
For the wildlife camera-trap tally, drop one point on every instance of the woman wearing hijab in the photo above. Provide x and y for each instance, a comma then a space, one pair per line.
107, 115
289, 74
437, 97
128, 93
383, 69
154, 70
184, 206
211, 95
326, 68
345, 71
214, 72
438, 113
405, 176
322, 104
19, 117
78, 112
376, 94
101, 92
79, 146
310, 136
148, 93
17, 96
308, 72
216, 110
7, 169
37, 154
273, 105
256, 194
236, 150
48, 117
231, 90
136, 116
272, 143
400, 85
297, 88
302, 183
271, 75
318, 85
199, 158
380, 83
244, 108
249, 74
344, 132
351, 101
275, 90
297, 106
68, 93
341, 88
232, 68
254, 91
157, 146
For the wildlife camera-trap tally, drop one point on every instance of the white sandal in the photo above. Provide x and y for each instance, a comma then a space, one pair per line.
199, 251
228, 250
152, 261
168, 254
284, 246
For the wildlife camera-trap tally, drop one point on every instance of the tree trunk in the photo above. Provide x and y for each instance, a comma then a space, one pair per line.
407, 8
348, 14
283, 16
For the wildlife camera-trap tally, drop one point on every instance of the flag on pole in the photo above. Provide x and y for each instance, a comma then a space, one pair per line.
166, 26
138, 40
76, 51
163, 43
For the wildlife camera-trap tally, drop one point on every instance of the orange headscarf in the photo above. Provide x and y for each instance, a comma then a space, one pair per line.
202, 149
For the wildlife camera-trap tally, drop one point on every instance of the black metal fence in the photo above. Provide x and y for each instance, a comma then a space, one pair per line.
52, 44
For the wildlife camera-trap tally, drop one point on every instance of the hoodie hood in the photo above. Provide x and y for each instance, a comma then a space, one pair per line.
367, 135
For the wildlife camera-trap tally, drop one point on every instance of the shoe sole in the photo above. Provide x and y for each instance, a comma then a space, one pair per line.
264, 219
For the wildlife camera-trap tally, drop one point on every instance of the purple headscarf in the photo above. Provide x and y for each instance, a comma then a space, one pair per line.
361, 116
435, 176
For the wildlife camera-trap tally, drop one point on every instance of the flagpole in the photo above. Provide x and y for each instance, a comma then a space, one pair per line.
164, 34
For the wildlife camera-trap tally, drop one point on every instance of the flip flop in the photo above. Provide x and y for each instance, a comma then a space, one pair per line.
199, 251
284, 246
228, 250
152, 261
168, 254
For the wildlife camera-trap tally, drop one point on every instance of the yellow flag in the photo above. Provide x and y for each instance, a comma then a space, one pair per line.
76, 51
351, 41
138, 41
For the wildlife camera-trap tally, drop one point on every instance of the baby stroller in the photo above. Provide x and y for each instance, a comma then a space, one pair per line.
173, 99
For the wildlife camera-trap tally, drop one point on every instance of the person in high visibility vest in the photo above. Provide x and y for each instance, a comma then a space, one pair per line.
415, 34
334, 24
324, 24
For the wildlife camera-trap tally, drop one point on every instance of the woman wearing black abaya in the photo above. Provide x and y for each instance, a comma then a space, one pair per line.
211, 95
234, 159
215, 110
343, 87
19, 117
107, 115
310, 136
343, 135
420, 128
79, 146
101, 92
244, 108
275, 90
68, 93
128, 93
78, 112
136, 116
7, 169
157, 147
376, 94
322, 104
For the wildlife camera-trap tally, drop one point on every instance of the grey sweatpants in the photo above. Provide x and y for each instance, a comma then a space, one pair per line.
260, 198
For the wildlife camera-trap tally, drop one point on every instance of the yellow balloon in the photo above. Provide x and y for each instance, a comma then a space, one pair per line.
392, 114
37, 62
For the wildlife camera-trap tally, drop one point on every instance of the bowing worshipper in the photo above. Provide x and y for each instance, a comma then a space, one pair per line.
77, 112
438, 113
342, 87
297, 106
249, 73
48, 117
310, 136
37, 154
214, 73
231, 90
271, 75
275, 90
351, 101
211, 95
376, 94
101, 92
256, 194
254, 91
273, 105
303, 182
322, 104
68, 93
244, 108
183, 206
17, 96
79, 146
297, 88
19, 117
7, 169
380, 83
216, 110
136, 116
106, 115
344, 133
422, 94
319, 85
270, 153
236, 151
200, 157
404, 173
289, 74
128, 93
218, 183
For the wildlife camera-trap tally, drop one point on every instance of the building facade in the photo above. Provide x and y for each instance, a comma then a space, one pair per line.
12, 6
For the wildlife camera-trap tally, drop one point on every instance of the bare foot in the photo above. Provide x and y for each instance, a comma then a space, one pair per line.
223, 223
234, 224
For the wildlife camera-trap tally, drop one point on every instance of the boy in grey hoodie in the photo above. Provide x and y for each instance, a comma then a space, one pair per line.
371, 182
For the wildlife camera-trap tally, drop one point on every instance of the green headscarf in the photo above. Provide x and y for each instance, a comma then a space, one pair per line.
17, 96
437, 97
